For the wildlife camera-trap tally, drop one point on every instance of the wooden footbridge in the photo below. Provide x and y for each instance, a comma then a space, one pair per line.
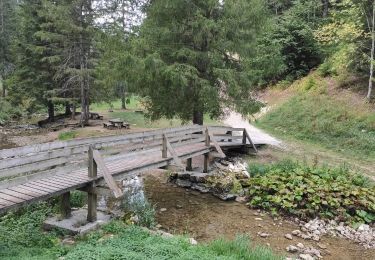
35, 173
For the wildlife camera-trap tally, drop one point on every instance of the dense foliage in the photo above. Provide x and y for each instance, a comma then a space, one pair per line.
186, 59
8, 112
295, 33
311, 191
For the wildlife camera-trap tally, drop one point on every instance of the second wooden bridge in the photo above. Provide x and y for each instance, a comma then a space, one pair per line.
35, 173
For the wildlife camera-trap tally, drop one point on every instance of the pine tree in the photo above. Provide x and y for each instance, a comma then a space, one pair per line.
117, 64
198, 55
75, 70
36, 58
7, 33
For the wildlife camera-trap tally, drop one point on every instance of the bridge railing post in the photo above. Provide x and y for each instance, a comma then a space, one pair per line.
206, 155
92, 197
164, 152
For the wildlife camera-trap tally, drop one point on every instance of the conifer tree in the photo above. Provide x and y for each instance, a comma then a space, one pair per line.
117, 64
197, 57
36, 58
7, 33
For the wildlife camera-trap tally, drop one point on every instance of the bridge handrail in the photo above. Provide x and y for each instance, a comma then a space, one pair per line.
35, 161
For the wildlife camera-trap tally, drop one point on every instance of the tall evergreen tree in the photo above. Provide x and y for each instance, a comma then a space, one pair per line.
36, 57
198, 57
7, 33
74, 20
117, 64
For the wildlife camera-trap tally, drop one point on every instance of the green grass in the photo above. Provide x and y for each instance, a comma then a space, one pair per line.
321, 119
131, 242
22, 238
139, 119
133, 104
21, 235
64, 136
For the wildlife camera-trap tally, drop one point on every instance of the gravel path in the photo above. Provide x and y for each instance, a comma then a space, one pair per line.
258, 136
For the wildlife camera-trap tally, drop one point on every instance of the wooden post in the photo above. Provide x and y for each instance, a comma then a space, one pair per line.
65, 208
92, 196
189, 166
207, 138
206, 158
230, 133
206, 155
164, 151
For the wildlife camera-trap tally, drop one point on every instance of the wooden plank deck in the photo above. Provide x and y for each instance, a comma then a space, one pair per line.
44, 188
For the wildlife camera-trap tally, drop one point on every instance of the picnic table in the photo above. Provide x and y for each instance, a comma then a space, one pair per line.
116, 123
95, 116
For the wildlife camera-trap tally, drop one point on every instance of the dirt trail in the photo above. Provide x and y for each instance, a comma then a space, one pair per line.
258, 136
206, 218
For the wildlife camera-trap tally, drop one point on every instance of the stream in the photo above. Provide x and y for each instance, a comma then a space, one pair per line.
204, 217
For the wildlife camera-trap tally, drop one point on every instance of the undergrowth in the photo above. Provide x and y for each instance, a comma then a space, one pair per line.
131, 242
8, 112
22, 237
312, 191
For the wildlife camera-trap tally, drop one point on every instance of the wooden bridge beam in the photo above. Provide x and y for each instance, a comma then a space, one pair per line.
245, 137
65, 208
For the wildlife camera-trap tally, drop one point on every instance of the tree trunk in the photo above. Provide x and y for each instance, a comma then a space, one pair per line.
68, 112
325, 8
123, 101
84, 78
198, 118
74, 112
4, 87
372, 53
51, 111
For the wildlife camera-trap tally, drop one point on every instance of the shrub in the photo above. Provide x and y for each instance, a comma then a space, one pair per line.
142, 209
78, 199
327, 69
311, 191
7, 111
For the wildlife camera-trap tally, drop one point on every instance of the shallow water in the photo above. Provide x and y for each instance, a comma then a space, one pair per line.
206, 218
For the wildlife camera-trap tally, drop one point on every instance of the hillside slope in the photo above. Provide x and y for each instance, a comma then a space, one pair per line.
319, 111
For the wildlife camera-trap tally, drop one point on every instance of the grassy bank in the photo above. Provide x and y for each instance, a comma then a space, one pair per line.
22, 237
313, 115
134, 243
